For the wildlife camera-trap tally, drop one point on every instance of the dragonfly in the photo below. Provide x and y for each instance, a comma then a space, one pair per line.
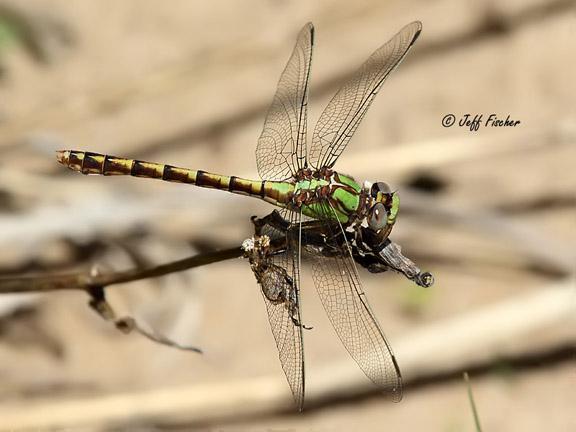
322, 214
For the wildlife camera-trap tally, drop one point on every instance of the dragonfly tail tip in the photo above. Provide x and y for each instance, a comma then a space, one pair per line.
63, 156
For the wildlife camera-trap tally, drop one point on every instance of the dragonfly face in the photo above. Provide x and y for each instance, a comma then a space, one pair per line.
381, 209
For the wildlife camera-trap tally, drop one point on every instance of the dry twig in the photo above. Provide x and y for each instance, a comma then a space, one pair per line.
82, 281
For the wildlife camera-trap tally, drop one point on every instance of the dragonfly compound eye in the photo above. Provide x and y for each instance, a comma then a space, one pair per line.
381, 187
378, 217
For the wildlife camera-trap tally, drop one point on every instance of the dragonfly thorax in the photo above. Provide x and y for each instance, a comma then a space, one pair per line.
328, 194
325, 194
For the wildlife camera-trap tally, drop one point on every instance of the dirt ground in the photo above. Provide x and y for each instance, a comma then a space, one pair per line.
189, 83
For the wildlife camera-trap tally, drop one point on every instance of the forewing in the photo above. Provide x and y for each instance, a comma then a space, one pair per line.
338, 284
347, 108
281, 149
287, 335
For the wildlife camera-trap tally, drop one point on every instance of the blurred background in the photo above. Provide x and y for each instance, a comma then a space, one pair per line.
491, 213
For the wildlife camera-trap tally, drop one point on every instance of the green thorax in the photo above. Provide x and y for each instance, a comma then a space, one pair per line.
341, 191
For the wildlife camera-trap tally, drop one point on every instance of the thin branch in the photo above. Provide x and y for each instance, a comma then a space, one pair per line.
83, 281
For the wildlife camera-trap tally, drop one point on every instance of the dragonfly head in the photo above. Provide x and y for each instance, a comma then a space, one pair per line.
382, 210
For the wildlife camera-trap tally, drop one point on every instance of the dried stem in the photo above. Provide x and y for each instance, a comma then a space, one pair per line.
83, 281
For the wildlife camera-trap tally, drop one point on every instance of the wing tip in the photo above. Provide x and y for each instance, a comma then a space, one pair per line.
309, 28
298, 396
300, 405
397, 393
418, 29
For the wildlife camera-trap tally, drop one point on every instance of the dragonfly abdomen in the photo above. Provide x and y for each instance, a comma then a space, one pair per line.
98, 164
89, 163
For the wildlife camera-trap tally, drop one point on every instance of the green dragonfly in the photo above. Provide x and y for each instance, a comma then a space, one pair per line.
325, 215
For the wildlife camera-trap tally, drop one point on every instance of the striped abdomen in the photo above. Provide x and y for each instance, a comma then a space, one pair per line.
278, 193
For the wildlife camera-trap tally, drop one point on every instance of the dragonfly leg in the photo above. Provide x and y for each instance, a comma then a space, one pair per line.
292, 306
293, 238
274, 220
385, 256
297, 323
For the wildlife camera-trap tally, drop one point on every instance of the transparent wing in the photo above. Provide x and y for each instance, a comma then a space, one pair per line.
285, 319
338, 284
281, 149
347, 108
